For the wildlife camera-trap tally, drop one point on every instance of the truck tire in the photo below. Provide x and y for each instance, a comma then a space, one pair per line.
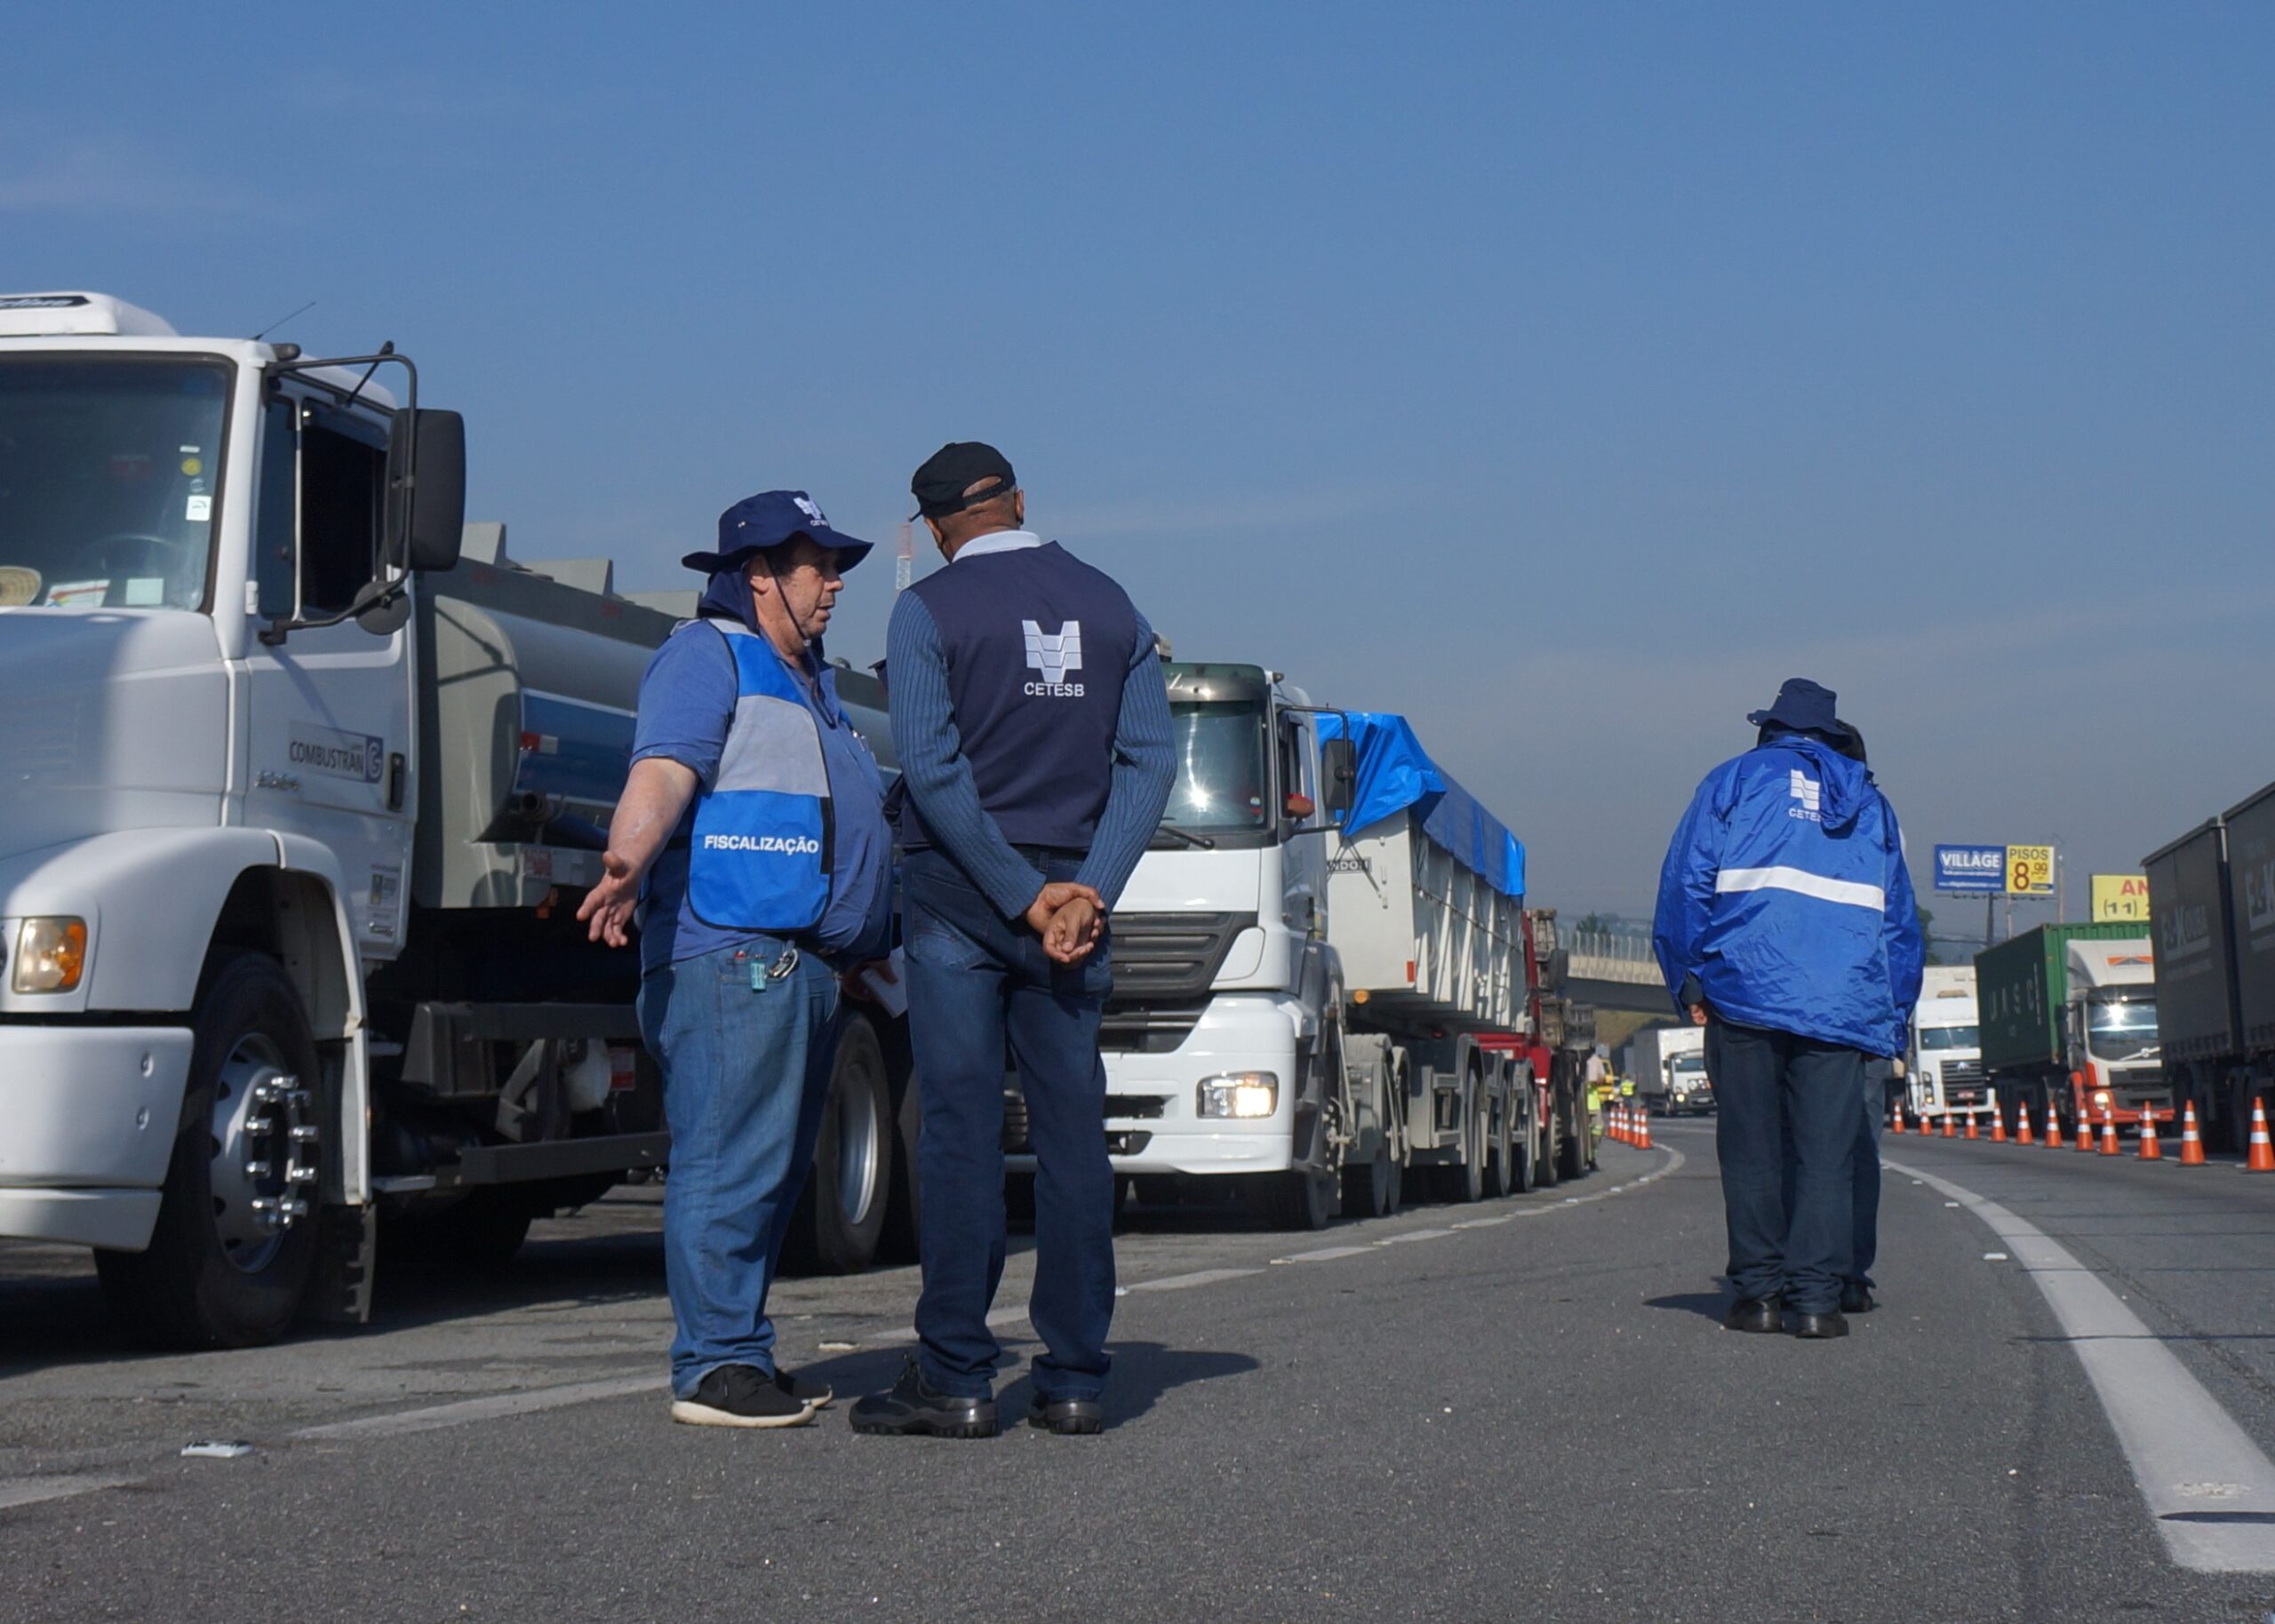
1370, 1187
235, 1240
842, 1215
904, 1222
1298, 1199
1464, 1180
1547, 1161
1572, 1143
1500, 1168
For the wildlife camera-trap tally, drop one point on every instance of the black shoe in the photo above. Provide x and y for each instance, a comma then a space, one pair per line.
813, 1395
1814, 1325
1067, 1417
740, 1396
1755, 1314
912, 1406
1856, 1298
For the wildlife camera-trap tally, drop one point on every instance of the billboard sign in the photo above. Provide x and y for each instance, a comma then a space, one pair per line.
2121, 897
2030, 871
1979, 868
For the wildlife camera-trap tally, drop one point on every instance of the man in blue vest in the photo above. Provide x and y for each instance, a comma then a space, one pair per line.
1786, 926
1032, 723
751, 846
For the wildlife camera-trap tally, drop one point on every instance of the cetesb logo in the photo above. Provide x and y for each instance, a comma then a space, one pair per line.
1810, 793
1051, 655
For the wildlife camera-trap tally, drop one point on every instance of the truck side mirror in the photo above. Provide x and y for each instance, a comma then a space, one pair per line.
425, 500
1338, 774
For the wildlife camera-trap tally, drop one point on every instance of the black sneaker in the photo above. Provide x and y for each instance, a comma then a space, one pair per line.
913, 1406
1067, 1417
740, 1396
1817, 1326
1856, 1298
813, 1395
1755, 1314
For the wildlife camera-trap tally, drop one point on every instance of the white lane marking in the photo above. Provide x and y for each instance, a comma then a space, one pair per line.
496, 1404
1487, 1224
1397, 1240
2181, 1444
1185, 1282
31, 1490
1323, 1255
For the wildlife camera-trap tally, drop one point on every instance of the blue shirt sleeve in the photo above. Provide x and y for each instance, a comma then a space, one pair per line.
1145, 769
1907, 947
932, 764
687, 702
1687, 887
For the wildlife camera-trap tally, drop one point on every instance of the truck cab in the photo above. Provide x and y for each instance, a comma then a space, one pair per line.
1944, 1065
2117, 1067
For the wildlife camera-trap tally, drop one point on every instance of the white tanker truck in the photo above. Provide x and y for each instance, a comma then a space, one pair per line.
294, 802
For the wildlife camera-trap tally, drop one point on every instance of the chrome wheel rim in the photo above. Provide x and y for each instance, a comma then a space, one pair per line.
263, 1149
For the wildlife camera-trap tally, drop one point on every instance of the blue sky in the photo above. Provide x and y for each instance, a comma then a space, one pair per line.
1564, 376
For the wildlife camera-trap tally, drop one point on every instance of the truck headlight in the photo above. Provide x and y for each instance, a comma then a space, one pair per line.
2101, 1099
1240, 1093
50, 955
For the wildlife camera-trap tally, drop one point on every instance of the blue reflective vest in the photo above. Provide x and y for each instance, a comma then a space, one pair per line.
762, 847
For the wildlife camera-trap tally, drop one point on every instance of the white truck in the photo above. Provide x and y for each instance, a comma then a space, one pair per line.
1944, 1067
1312, 972
1669, 1066
295, 808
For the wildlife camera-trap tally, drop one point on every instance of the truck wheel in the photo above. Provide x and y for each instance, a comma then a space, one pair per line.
235, 1240
1370, 1189
852, 1184
1571, 1144
1299, 1198
1547, 1163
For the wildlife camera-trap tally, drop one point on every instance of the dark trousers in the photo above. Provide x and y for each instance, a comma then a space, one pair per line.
1770, 1086
977, 980
1864, 1175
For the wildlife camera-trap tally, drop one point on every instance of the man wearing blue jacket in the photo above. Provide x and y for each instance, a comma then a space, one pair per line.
1787, 928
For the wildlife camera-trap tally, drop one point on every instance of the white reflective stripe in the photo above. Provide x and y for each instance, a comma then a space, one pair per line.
1853, 892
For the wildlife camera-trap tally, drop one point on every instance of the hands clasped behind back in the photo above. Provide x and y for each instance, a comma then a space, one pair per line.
1070, 917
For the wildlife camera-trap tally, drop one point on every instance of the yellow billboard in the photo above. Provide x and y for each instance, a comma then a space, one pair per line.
2121, 897
2030, 871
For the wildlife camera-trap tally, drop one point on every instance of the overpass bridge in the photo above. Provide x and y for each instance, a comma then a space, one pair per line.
1617, 974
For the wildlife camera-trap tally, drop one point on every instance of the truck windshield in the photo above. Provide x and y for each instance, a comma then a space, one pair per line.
2120, 1029
109, 470
1220, 766
1687, 1065
1949, 1038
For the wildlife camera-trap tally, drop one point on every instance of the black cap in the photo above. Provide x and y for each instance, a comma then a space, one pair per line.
940, 485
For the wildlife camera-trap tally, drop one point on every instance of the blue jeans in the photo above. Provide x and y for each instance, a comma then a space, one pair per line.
1774, 1088
746, 1071
977, 981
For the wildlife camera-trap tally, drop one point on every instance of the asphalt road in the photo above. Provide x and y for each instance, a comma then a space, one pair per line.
1534, 1415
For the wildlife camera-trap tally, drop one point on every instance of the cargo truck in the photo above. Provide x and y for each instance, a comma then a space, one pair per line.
1944, 1063
1312, 966
1669, 1066
2212, 912
2069, 1017
296, 807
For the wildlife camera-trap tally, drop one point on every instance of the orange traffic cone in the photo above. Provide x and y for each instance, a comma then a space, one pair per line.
1643, 1131
2053, 1128
2085, 1130
2109, 1133
1972, 1132
1896, 1118
1997, 1126
2263, 1153
2192, 1142
1611, 1127
1951, 1128
2150, 1150
2022, 1126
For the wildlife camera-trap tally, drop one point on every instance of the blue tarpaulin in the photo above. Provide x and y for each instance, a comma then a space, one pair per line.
1395, 773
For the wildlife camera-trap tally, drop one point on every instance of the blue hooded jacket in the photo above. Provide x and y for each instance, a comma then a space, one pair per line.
1785, 893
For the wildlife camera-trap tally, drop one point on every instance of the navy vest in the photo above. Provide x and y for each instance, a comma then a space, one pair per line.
1037, 645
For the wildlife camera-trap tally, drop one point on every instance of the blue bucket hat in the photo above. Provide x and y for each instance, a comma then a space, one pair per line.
759, 523
1805, 707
